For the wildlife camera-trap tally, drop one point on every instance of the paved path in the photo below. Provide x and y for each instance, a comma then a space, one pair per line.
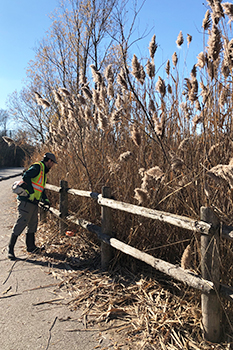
6, 173
27, 320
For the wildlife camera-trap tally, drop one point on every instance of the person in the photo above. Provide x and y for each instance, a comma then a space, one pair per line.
34, 179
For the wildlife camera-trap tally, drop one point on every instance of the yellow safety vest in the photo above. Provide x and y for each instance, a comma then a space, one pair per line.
38, 182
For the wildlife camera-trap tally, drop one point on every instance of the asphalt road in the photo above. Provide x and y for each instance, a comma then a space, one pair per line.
34, 314
6, 173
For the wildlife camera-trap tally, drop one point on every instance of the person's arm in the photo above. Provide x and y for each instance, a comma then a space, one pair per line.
44, 197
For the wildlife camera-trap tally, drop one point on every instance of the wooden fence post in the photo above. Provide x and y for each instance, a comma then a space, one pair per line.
63, 205
210, 267
106, 228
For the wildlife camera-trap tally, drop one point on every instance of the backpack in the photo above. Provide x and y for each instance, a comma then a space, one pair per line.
20, 188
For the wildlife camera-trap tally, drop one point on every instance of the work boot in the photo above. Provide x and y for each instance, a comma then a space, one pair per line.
30, 243
11, 254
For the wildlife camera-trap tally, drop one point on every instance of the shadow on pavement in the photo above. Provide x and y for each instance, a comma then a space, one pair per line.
63, 262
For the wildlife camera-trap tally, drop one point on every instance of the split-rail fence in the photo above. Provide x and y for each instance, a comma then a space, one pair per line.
209, 228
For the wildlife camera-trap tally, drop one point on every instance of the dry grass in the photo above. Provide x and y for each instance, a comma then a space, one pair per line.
146, 309
155, 141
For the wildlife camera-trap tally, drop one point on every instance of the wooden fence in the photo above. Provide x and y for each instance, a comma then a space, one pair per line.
208, 227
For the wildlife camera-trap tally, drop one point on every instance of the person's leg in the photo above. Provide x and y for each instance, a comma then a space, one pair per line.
32, 228
21, 223
11, 254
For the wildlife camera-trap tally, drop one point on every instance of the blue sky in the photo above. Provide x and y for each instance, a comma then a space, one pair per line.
24, 22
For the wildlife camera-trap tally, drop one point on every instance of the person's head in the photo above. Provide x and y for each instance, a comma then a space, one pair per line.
49, 159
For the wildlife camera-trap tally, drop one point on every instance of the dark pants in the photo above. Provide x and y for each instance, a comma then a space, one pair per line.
27, 217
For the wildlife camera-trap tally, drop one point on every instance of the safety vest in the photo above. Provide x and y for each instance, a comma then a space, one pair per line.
38, 182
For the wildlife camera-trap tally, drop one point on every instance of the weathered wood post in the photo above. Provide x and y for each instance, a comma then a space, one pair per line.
63, 203
106, 227
210, 267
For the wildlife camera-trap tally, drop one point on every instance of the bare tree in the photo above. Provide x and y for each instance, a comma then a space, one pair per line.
4, 118
30, 117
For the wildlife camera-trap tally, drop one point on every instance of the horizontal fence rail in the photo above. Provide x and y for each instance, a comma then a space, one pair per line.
209, 228
180, 221
176, 220
169, 269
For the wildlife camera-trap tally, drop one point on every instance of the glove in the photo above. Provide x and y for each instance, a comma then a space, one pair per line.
46, 204
31, 197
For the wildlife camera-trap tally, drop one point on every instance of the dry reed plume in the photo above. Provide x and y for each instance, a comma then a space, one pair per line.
222, 174
186, 258
136, 136
163, 150
153, 46
141, 195
180, 39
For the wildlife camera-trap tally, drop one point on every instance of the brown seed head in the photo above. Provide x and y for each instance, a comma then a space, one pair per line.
211, 3
37, 95
121, 81
109, 73
83, 79
125, 156
228, 9
153, 46
201, 60
64, 91
96, 97
174, 59
194, 71
141, 195
151, 106
103, 121
177, 163
222, 174
207, 20
214, 43
180, 39
136, 136
57, 96
167, 68
116, 116
189, 39
186, 258
161, 87
142, 75
88, 113
136, 67
119, 102
155, 172
81, 99
150, 69
184, 144
110, 90
87, 92
197, 105
169, 89
44, 103
97, 77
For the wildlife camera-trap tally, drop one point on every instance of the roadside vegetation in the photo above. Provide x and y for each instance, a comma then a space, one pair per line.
158, 140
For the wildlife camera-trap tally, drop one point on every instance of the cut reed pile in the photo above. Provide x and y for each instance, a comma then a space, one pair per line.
146, 309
